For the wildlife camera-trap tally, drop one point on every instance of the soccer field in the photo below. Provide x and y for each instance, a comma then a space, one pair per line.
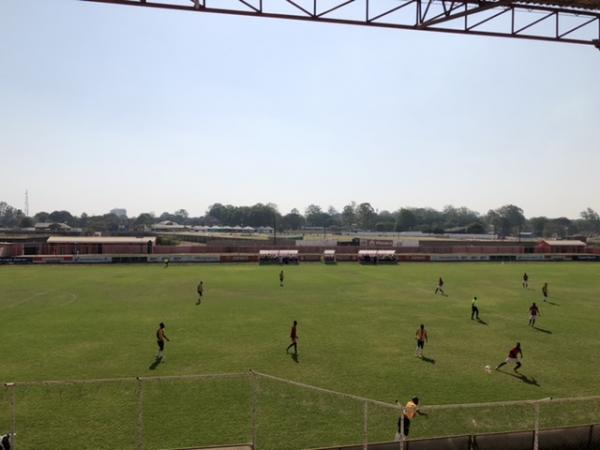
356, 326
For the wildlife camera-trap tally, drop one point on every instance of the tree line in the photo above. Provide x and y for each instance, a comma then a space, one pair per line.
507, 220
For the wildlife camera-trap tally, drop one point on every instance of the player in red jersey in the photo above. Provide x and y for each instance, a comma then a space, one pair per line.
513, 357
534, 312
421, 337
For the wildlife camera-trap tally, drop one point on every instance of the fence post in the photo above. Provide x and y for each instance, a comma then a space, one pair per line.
140, 415
12, 398
401, 428
536, 425
254, 401
366, 425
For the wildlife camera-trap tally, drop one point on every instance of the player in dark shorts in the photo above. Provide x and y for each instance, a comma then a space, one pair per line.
525, 280
440, 287
161, 337
534, 312
545, 291
421, 337
200, 290
166, 261
410, 411
281, 276
513, 357
474, 309
294, 338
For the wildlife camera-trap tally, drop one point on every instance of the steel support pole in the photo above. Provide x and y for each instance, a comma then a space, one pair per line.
536, 429
12, 399
366, 426
140, 414
401, 446
254, 401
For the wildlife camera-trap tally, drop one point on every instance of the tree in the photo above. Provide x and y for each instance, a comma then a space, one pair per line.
41, 217
365, 216
590, 214
458, 217
261, 215
590, 221
144, 219
315, 217
83, 220
182, 213
62, 217
405, 220
537, 224
26, 222
9, 216
349, 215
292, 221
506, 219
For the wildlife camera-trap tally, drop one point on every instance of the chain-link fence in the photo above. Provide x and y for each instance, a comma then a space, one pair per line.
263, 411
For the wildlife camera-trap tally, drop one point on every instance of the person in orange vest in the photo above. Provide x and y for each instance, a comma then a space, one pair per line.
411, 410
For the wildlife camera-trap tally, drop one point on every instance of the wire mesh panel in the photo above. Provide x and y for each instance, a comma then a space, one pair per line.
5, 410
452, 421
383, 422
198, 411
84, 416
569, 412
290, 417
468, 419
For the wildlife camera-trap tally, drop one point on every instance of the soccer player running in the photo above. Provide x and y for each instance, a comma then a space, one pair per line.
294, 338
534, 312
281, 277
411, 410
200, 290
525, 280
421, 337
474, 309
161, 337
166, 261
440, 287
513, 357
545, 291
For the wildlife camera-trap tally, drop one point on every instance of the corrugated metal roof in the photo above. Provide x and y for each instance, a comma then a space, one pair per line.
583, 4
565, 243
376, 252
100, 240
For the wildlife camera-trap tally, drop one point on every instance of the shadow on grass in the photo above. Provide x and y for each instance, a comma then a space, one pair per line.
552, 303
524, 378
428, 360
542, 330
295, 358
155, 363
482, 322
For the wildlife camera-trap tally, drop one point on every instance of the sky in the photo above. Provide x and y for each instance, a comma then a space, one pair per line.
152, 110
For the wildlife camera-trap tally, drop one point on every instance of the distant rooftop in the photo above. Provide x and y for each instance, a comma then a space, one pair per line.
564, 243
100, 240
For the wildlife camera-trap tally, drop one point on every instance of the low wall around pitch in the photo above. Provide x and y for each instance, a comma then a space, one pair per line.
230, 257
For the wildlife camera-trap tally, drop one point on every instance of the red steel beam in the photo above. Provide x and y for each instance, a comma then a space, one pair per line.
503, 5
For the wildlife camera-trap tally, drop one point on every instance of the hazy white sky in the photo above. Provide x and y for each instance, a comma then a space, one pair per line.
151, 110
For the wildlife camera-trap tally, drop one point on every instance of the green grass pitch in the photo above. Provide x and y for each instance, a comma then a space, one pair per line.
356, 326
